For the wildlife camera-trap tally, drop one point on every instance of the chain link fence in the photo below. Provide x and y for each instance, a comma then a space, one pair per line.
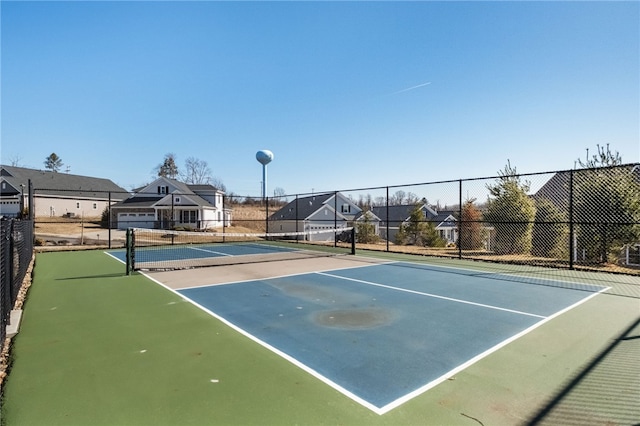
572, 220
554, 225
15, 256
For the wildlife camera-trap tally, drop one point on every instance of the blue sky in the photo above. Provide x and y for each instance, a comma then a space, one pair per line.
346, 95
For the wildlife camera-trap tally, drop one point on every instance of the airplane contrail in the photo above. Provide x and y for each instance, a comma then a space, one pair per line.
412, 88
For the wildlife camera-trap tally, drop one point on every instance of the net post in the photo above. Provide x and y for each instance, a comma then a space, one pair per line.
353, 240
109, 219
128, 252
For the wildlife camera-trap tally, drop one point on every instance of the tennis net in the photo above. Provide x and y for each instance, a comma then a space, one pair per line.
153, 249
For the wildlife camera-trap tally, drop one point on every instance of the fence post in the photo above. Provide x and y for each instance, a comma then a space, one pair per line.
571, 228
224, 216
297, 224
387, 225
335, 218
32, 210
460, 219
266, 214
109, 219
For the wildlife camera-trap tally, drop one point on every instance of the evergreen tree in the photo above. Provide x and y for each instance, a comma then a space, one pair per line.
606, 212
550, 231
53, 162
418, 231
606, 206
168, 168
366, 230
511, 212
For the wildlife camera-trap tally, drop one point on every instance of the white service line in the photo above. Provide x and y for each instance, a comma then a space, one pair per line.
451, 299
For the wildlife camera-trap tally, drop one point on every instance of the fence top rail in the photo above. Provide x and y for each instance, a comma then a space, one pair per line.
585, 170
320, 193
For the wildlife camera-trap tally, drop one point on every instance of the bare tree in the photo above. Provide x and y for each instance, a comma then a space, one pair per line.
16, 160
412, 198
398, 197
279, 192
217, 182
197, 171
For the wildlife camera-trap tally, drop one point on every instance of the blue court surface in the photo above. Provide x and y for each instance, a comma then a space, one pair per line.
198, 251
382, 334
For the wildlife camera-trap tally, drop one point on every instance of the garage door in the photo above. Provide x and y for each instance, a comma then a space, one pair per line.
136, 220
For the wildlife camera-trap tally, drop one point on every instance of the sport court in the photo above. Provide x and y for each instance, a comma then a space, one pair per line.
379, 332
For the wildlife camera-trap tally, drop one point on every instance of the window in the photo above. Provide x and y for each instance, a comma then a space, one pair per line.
188, 216
95, 206
77, 205
177, 200
346, 208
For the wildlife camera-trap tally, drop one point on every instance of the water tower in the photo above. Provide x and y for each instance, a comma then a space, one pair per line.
264, 157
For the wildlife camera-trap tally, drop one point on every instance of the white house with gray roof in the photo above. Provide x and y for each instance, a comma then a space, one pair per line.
167, 203
55, 193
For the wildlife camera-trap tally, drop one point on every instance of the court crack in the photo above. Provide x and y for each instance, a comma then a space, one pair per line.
472, 418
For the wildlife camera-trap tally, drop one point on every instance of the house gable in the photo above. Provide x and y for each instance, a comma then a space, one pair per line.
160, 186
343, 205
326, 214
367, 215
448, 221
8, 189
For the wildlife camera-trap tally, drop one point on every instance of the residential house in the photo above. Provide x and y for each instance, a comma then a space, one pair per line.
392, 217
167, 203
316, 213
55, 193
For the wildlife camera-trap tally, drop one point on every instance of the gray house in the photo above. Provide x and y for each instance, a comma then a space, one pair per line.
314, 214
55, 193
392, 217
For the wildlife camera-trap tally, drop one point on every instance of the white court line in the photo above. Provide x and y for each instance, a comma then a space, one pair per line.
398, 402
273, 349
116, 258
488, 274
210, 251
435, 296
